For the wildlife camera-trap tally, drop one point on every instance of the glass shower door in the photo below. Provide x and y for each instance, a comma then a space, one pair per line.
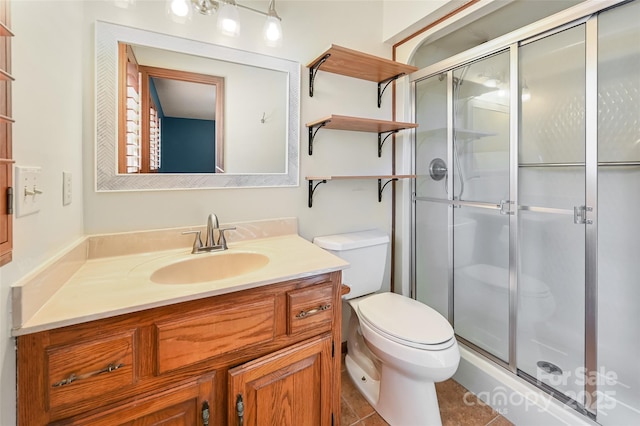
553, 213
431, 244
480, 158
461, 217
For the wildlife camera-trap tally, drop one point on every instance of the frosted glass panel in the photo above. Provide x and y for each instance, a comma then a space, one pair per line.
481, 278
551, 275
554, 187
619, 294
431, 134
481, 130
551, 300
431, 256
619, 84
618, 224
553, 72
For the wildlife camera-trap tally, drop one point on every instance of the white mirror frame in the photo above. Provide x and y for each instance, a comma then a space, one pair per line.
107, 36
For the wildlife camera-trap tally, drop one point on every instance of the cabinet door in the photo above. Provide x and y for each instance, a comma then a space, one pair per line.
183, 405
291, 387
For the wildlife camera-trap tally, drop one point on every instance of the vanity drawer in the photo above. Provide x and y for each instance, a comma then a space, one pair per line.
228, 327
89, 369
310, 308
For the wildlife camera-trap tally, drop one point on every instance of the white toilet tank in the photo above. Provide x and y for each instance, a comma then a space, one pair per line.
366, 252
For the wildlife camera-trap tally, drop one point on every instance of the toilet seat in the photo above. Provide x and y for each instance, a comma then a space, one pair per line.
406, 321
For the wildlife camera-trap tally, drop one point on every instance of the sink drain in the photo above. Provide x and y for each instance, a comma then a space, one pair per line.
549, 367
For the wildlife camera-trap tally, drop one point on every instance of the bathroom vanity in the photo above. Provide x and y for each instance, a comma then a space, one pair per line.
263, 349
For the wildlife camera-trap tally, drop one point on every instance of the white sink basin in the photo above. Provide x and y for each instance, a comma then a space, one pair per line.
209, 267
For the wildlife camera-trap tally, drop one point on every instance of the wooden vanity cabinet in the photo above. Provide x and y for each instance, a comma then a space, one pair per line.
275, 349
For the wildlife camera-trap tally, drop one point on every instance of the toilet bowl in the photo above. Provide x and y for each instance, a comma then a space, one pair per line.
397, 347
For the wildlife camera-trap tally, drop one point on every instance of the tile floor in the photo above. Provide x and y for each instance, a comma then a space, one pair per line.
356, 411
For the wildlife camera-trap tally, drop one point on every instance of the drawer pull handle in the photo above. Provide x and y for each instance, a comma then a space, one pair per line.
74, 377
304, 314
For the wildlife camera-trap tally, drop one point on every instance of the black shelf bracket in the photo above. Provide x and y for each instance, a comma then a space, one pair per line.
382, 141
381, 187
312, 134
312, 189
386, 83
313, 70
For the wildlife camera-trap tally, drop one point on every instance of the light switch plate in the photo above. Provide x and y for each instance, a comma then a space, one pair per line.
28, 193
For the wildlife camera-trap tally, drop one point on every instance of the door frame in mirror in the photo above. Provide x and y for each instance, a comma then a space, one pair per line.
107, 178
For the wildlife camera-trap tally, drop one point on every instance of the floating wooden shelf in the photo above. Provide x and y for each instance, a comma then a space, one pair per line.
340, 60
6, 119
351, 63
342, 122
5, 76
381, 186
4, 31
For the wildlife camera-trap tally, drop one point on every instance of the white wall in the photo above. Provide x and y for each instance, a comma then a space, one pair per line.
54, 109
47, 106
309, 28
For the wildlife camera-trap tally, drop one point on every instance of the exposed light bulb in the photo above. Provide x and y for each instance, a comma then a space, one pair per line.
272, 31
179, 11
228, 19
180, 8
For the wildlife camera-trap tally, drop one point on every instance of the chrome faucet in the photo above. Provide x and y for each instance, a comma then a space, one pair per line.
210, 241
212, 225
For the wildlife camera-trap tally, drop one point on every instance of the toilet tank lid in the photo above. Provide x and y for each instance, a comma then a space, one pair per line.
352, 240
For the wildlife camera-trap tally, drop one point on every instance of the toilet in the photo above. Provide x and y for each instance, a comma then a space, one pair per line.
397, 347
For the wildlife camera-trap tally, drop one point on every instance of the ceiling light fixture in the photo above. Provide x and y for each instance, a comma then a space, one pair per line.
228, 16
179, 10
272, 28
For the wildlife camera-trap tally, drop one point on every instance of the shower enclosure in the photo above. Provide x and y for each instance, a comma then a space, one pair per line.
525, 228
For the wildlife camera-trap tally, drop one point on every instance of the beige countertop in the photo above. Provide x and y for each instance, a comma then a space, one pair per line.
108, 286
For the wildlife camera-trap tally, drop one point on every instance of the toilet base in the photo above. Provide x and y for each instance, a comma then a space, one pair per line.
368, 386
401, 401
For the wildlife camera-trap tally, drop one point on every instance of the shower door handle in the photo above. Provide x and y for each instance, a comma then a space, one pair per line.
505, 207
580, 215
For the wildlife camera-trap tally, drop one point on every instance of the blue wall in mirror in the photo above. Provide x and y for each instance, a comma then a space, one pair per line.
186, 146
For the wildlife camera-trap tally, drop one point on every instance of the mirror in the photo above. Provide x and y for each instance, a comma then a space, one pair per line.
261, 111
171, 121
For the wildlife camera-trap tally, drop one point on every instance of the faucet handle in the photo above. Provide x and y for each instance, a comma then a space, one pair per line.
222, 241
197, 243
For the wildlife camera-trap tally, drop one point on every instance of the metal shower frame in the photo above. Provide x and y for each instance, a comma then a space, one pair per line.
582, 14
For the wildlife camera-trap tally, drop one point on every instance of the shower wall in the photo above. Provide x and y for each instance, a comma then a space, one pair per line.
534, 257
